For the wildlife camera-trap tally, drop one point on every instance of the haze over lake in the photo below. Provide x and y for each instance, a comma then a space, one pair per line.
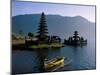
64, 25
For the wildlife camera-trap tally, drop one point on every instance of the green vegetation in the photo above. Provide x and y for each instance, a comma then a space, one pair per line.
41, 46
39, 41
18, 42
31, 35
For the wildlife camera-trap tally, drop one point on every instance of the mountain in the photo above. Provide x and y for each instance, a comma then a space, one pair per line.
62, 26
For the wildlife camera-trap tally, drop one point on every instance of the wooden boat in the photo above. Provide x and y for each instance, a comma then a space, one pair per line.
54, 64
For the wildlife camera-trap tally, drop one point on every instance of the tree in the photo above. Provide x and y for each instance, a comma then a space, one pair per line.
82, 39
42, 29
21, 34
59, 39
31, 35
14, 36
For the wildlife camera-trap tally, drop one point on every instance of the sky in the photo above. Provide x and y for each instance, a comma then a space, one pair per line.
20, 8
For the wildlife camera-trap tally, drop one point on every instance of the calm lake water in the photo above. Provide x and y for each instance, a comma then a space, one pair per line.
81, 58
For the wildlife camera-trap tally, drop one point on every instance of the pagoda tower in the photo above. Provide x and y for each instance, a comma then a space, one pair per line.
76, 37
42, 29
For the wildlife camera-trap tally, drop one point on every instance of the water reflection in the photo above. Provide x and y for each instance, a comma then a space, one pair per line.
30, 61
46, 55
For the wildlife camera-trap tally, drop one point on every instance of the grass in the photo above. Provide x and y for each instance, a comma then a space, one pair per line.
16, 42
20, 44
53, 45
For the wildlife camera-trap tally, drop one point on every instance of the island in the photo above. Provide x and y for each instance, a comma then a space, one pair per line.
75, 40
41, 40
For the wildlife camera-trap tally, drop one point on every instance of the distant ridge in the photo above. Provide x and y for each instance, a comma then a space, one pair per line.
57, 25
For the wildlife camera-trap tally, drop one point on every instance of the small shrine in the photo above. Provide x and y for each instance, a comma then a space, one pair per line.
75, 40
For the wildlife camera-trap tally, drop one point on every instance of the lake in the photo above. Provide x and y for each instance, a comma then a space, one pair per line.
82, 58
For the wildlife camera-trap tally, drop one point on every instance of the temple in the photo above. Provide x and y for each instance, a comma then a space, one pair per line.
42, 36
75, 40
